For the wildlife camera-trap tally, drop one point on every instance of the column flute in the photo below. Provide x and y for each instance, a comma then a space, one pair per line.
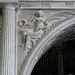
8, 41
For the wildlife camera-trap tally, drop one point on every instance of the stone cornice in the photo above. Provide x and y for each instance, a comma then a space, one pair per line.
8, 2
47, 4
48, 0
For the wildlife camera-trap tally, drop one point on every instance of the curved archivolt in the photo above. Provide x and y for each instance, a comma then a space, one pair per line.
47, 40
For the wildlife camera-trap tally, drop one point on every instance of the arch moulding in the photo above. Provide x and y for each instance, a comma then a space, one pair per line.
44, 43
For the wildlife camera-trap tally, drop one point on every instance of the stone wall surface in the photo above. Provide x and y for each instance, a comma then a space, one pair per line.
55, 10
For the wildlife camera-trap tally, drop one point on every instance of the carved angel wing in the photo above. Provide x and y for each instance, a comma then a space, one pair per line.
59, 16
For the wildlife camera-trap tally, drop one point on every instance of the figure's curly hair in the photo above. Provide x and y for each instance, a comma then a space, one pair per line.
39, 13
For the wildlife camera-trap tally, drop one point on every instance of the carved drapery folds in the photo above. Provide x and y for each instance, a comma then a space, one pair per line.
38, 26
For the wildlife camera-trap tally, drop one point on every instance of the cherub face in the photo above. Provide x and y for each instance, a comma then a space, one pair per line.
39, 13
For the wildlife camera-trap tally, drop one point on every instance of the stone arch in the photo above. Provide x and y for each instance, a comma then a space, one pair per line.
44, 43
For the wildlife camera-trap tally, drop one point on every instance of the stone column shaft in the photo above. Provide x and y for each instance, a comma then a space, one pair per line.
8, 43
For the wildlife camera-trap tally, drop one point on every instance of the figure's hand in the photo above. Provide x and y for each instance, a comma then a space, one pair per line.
23, 32
45, 23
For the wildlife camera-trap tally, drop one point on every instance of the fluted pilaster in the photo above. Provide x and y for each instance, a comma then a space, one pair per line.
8, 41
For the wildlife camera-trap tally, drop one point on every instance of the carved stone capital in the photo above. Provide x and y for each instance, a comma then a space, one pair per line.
8, 3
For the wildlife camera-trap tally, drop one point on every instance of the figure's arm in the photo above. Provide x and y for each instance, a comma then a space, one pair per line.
33, 20
23, 23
